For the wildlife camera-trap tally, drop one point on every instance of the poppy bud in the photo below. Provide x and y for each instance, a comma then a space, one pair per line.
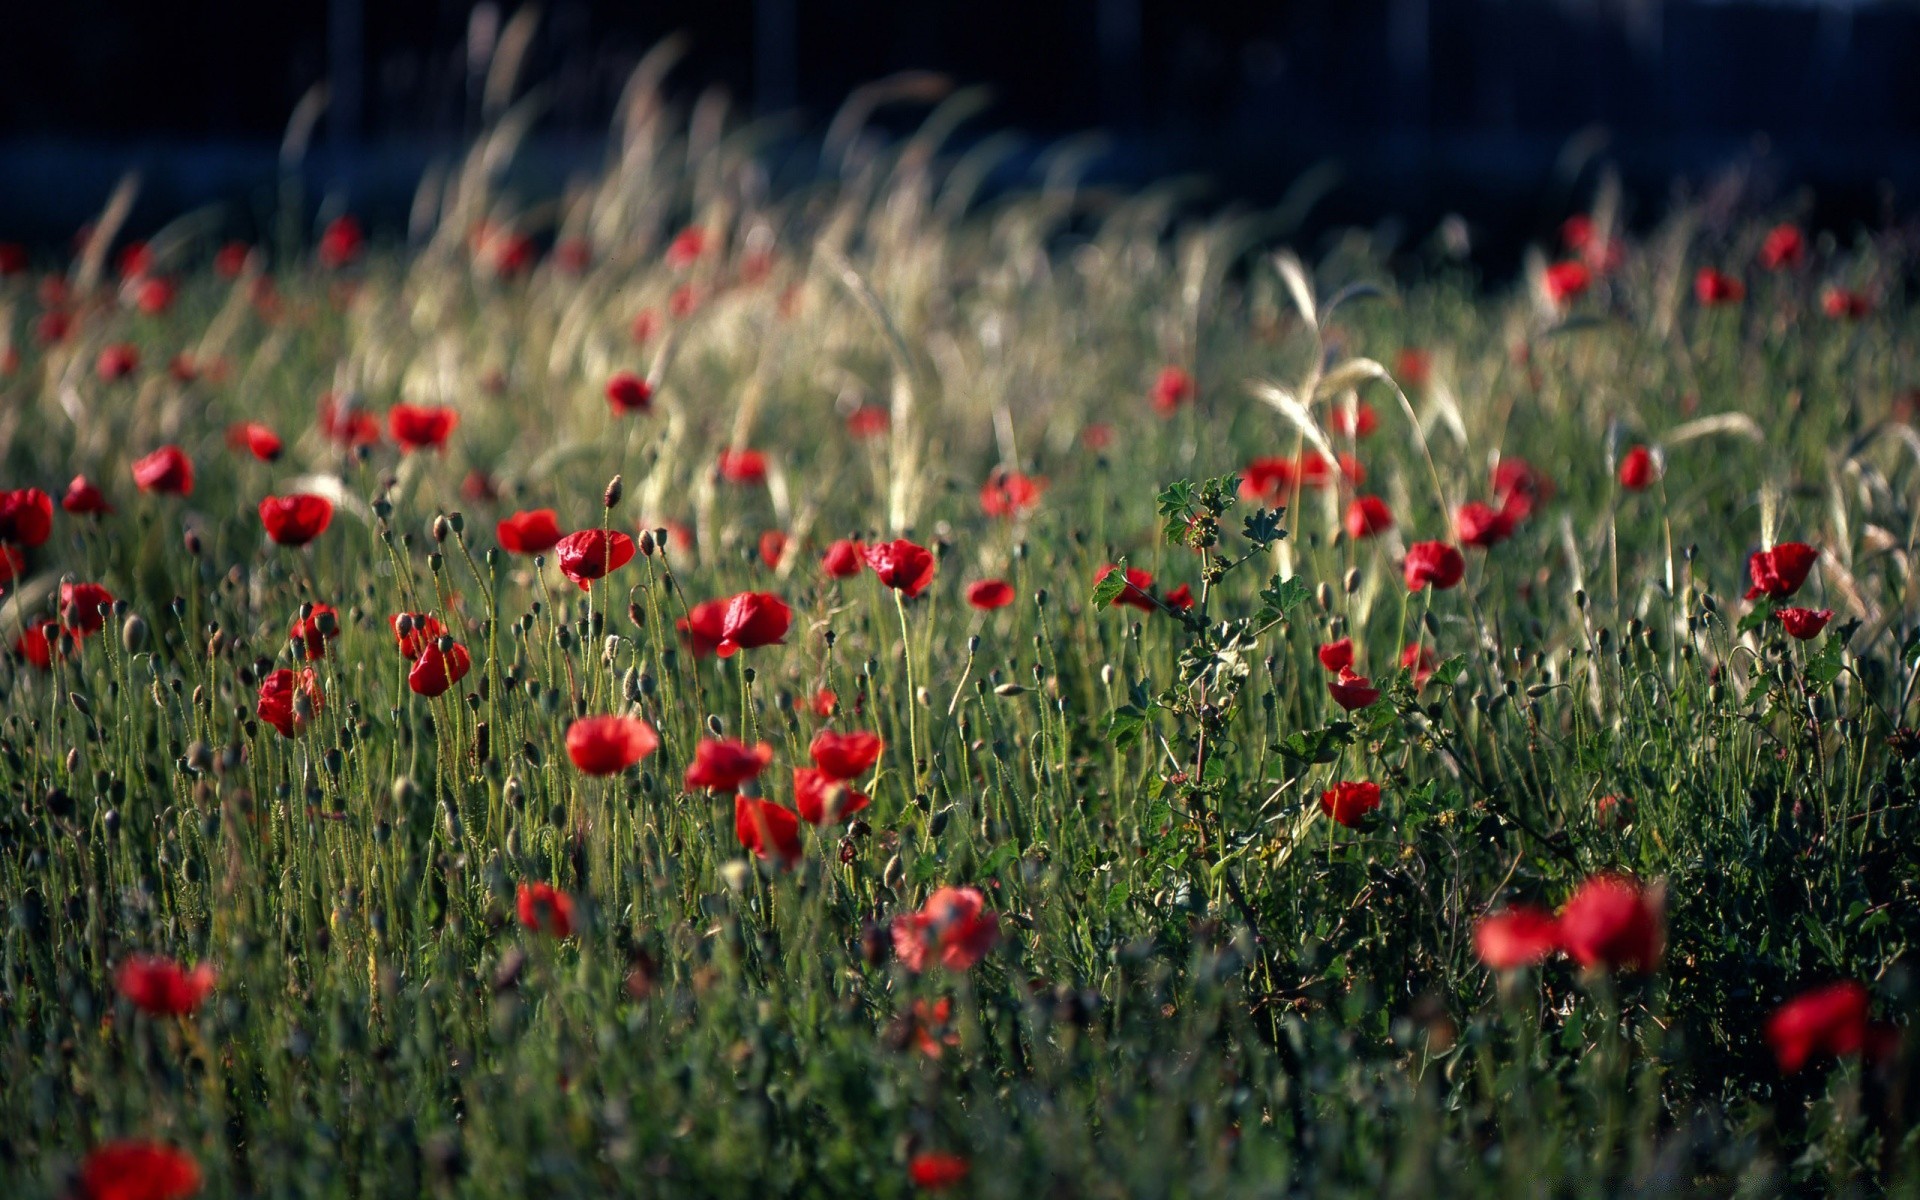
646, 543
441, 529
435, 562
615, 489
193, 542
458, 522
133, 634
1323, 595
1352, 580
714, 725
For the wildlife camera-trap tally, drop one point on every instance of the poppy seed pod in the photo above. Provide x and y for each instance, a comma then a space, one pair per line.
133, 634
615, 489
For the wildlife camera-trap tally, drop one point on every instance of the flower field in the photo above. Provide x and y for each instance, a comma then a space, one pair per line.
701, 687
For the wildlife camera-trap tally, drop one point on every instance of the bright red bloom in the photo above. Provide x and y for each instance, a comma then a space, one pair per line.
1779, 572
297, 519
1482, 525
347, 423
1420, 660
935, 1171
845, 755
544, 908
1352, 691
821, 799
1638, 469
167, 469
1804, 623
1009, 493
1337, 656
1433, 563
773, 548
315, 630
1522, 936
1267, 481
1180, 598
80, 605
533, 532
26, 517
1839, 303
609, 745
989, 594
844, 559
256, 439
869, 421
1567, 281
952, 929
1711, 287
1171, 388
131, 1170
742, 466
288, 700
1784, 247
436, 671
1519, 487
824, 703
687, 247
1316, 472
1367, 516
722, 766
1349, 803
422, 630
154, 296
1413, 368
629, 393
740, 622
901, 565
418, 426
34, 645
161, 987
84, 498
117, 361
769, 830
341, 243
1359, 423
1614, 923
1830, 1020
593, 554
1139, 590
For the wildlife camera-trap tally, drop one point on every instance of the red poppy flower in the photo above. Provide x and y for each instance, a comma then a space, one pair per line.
1349, 803
167, 469
935, 1171
821, 799
1840, 303
80, 605
256, 439
1420, 660
544, 908
1613, 923
845, 755
1830, 1020
1433, 563
1613, 812
53, 327
989, 594
347, 423
1359, 423
1139, 590
1413, 368
1352, 691
533, 532
1519, 487
609, 745
231, 259
1711, 287
1172, 388
1482, 525
1009, 493
435, 671
769, 830
161, 987
83, 498
869, 421
1804, 623
341, 243
1180, 598
593, 554
1779, 572
742, 466
952, 929
901, 565
288, 700
154, 296
723, 765
1522, 936
629, 393
1567, 281
414, 632
42, 641
1267, 481
26, 517
823, 704
297, 519
742, 622
1337, 656
417, 426
1785, 246
1315, 471
1097, 437
843, 559
129, 1170
117, 361
686, 248
1638, 469
1367, 516
773, 548
313, 631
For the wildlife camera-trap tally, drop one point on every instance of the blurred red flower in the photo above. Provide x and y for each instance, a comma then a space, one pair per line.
1433, 563
1521, 936
1712, 287
844, 559
1613, 922
26, 516
1779, 572
1420, 660
1804, 623
769, 830
130, 1170
84, 498
544, 908
1352, 691
418, 426
593, 554
1349, 802
161, 987
166, 470
288, 700
297, 519
1139, 590
80, 605
1172, 387
1482, 525
1267, 481
1785, 246
533, 532
117, 361
414, 632
845, 755
608, 745
742, 466
313, 631
869, 421
436, 670
629, 393
989, 594
1413, 368
341, 243
1831, 1020
1567, 281
773, 548
1009, 493
1840, 303
1638, 469
231, 259
744, 621
822, 799
1337, 656
723, 765
952, 929
1359, 423
686, 248
256, 439
347, 422
935, 1171
1368, 516
902, 565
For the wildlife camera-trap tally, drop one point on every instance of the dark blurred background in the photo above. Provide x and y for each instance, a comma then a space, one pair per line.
1424, 106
